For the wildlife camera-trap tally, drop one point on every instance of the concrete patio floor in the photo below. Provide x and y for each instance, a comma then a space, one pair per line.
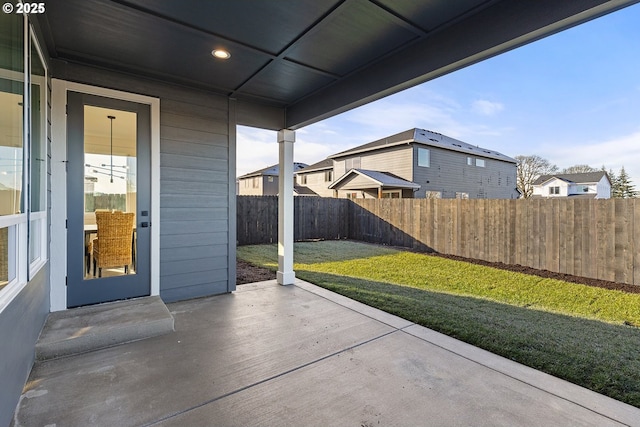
269, 355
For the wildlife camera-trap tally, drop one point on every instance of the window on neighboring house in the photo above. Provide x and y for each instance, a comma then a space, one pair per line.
256, 182
328, 176
353, 163
461, 195
433, 195
470, 161
424, 157
391, 194
270, 179
583, 189
302, 179
352, 196
554, 190
480, 163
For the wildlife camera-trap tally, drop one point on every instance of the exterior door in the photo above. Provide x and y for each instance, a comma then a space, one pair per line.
108, 196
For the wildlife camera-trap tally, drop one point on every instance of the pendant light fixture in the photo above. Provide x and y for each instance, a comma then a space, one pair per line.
112, 118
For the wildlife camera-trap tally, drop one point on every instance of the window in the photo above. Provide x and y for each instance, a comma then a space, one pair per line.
395, 194
480, 163
554, 190
470, 161
582, 189
353, 163
37, 162
23, 155
328, 176
461, 195
424, 158
432, 194
256, 182
270, 179
12, 218
302, 179
352, 196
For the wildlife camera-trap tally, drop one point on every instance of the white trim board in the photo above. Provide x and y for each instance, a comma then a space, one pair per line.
58, 257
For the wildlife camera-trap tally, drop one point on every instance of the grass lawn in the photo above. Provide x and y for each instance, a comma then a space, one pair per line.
586, 335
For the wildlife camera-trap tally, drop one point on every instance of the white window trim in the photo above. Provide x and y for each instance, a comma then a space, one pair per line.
40, 216
18, 245
58, 258
422, 149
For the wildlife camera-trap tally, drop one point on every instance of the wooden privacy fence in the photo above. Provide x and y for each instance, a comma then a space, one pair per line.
315, 218
590, 238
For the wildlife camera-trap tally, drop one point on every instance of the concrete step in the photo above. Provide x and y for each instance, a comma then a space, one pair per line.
91, 328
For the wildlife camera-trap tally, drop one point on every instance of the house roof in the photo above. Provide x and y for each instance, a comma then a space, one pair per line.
310, 59
301, 190
321, 165
379, 179
574, 178
428, 138
273, 170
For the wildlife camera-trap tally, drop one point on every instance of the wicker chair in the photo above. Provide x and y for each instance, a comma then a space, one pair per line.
112, 248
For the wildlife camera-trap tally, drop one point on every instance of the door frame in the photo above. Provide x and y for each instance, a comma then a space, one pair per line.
58, 258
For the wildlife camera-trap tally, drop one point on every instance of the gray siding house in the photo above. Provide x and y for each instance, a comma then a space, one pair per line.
149, 94
263, 182
419, 163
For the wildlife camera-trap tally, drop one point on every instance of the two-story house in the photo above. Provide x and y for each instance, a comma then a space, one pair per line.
416, 163
592, 185
316, 179
263, 182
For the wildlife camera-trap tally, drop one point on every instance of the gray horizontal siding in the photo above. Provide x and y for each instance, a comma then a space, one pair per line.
180, 200
201, 239
201, 175
449, 173
170, 133
173, 268
193, 214
191, 162
187, 226
194, 182
182, 291
197, 149
196, 278
194, 179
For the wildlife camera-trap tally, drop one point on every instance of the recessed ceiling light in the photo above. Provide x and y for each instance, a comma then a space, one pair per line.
220, 54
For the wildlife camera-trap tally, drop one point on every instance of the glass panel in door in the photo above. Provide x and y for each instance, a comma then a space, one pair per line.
110, 165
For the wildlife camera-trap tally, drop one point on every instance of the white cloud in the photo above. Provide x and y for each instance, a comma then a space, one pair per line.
255, 149
614, 153
484, 107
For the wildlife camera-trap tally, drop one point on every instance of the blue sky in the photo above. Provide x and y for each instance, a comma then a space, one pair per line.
572, 98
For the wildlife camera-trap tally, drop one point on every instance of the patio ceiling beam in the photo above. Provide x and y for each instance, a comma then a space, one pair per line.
502, 26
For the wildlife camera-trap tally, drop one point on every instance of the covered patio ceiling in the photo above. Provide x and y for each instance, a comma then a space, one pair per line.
310, 58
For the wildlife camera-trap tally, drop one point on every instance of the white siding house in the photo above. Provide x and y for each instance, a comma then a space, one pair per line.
592, 185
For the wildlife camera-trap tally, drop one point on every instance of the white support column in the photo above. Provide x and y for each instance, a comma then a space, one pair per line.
285, 275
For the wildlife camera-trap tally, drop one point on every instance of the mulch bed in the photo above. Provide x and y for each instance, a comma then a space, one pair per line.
249, 273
